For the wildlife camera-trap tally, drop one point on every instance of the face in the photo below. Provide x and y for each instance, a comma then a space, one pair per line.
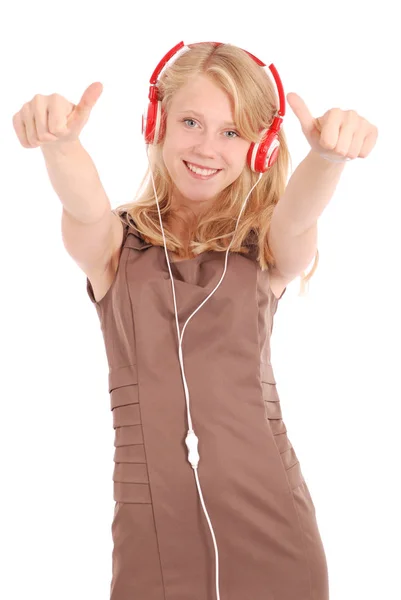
202, 149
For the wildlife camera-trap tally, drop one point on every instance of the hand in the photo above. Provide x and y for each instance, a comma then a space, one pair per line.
338, 133
53, 119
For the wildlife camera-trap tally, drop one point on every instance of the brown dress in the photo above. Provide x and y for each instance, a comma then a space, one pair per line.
255, 494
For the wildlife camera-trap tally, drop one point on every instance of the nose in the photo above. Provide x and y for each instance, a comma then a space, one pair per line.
206, 145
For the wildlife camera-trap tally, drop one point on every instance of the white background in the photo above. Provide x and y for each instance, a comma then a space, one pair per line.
335, 352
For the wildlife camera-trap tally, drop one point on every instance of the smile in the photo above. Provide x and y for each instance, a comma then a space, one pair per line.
200, 173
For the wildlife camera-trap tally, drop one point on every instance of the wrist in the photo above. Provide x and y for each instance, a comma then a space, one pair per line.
61, 148
332, 158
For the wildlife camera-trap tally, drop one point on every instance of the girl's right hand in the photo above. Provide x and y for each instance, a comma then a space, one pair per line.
47, 120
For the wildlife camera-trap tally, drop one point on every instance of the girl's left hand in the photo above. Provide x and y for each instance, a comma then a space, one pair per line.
338, 133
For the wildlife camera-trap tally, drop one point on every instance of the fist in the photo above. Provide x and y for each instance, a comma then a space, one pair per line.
54, 119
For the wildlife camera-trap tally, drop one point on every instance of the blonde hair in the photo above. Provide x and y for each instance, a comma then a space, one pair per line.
255, 103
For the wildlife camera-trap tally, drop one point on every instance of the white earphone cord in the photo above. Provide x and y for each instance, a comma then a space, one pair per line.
191, 440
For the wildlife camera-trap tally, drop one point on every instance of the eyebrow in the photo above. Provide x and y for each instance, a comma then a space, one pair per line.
194, 112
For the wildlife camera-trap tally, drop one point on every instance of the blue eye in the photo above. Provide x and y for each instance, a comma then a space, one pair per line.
193, 121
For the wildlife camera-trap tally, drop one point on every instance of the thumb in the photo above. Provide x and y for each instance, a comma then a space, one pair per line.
302, 112
88, 100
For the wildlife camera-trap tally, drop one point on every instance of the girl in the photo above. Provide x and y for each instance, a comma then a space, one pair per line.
210, 499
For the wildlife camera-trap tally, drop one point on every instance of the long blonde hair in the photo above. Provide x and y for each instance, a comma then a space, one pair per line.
255, 104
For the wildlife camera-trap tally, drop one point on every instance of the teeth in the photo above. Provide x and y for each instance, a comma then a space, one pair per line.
201, 171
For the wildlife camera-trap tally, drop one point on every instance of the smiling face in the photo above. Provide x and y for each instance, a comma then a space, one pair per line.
202, 150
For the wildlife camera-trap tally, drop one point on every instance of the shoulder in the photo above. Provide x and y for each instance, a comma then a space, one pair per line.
131, 236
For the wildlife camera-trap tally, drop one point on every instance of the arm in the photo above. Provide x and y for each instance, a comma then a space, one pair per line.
76, 181
307, 194
340, 135
91, 232
293, 230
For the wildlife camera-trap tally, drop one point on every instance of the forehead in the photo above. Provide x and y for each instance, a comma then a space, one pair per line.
201, 94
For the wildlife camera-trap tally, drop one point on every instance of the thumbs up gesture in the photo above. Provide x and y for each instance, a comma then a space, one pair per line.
338, 134
53, 119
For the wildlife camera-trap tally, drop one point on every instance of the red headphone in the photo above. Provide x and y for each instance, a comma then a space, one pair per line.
261, 155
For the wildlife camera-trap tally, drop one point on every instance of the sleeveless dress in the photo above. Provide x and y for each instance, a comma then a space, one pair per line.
255, 494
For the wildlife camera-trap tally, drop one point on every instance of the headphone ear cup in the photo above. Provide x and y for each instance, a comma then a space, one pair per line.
263, 154
152, 122
147, 123
162, 124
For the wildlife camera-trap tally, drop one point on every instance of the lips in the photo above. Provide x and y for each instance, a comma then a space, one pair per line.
197, 175
187, 162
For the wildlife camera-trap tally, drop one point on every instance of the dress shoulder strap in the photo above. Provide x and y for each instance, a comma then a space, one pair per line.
132, 237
